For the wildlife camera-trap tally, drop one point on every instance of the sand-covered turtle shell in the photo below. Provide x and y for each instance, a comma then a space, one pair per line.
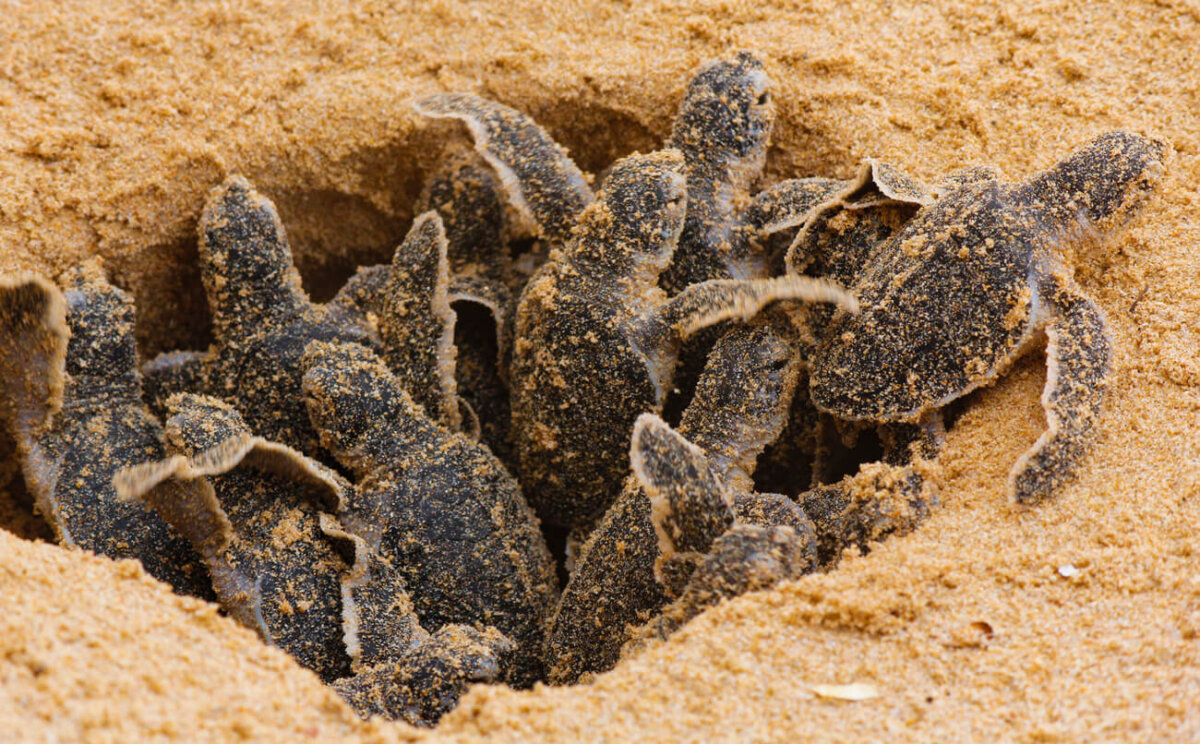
437, 507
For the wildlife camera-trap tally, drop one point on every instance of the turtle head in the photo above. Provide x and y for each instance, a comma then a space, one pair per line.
1104, 184
102, 349
727, 113
634, 225
354, 402
197, 423
245, 260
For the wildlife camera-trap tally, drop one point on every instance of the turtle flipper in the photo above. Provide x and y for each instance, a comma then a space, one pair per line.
417, 323
1078, 360
543, 184
427, 683
33, 350
689, 504
788, 204
702, 305
245, 262
379, 622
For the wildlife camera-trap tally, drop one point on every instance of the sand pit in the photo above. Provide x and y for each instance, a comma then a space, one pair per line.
1078, 619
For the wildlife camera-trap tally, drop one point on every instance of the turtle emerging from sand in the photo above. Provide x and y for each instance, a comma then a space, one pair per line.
261, 515
262, 320
962, 290
597, 340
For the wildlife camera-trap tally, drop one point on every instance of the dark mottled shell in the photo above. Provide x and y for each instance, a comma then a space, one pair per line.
543, 184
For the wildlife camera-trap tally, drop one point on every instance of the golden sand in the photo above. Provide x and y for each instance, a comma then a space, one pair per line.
1078, 619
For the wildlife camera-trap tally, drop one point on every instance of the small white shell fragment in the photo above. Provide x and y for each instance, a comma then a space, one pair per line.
1067, 571
856, 691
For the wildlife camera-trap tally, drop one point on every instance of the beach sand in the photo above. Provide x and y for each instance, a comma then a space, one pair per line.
1077, 619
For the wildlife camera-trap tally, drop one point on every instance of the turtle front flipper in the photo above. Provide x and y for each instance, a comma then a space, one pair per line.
246, 263
33, 351
788, 204
378, 618
428, 681
838, 239
1078, 360
702, 305
417, 323
543, 184
689, 504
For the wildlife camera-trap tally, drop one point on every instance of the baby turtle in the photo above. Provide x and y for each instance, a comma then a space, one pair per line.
959, 293
284, 567
707, 550
253, 509
597, 340
77, 415
437, 507
738, 408
262, 319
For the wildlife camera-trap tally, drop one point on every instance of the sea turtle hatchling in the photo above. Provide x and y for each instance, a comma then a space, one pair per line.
437, 507
597, 340
252, 508
260, 514
262, 320
960, 292
739, 407
708, 551
77, 416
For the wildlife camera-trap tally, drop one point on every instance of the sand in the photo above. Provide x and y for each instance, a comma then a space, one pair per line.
1079, 619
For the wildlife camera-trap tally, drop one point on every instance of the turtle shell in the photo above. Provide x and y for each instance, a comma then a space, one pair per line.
945, 304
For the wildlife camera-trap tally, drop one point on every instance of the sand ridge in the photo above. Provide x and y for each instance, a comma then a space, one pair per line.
118, 117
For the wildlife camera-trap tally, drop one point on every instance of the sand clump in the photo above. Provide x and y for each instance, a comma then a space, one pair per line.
119, 117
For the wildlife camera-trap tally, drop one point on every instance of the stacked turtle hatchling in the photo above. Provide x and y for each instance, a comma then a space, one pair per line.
338, 478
